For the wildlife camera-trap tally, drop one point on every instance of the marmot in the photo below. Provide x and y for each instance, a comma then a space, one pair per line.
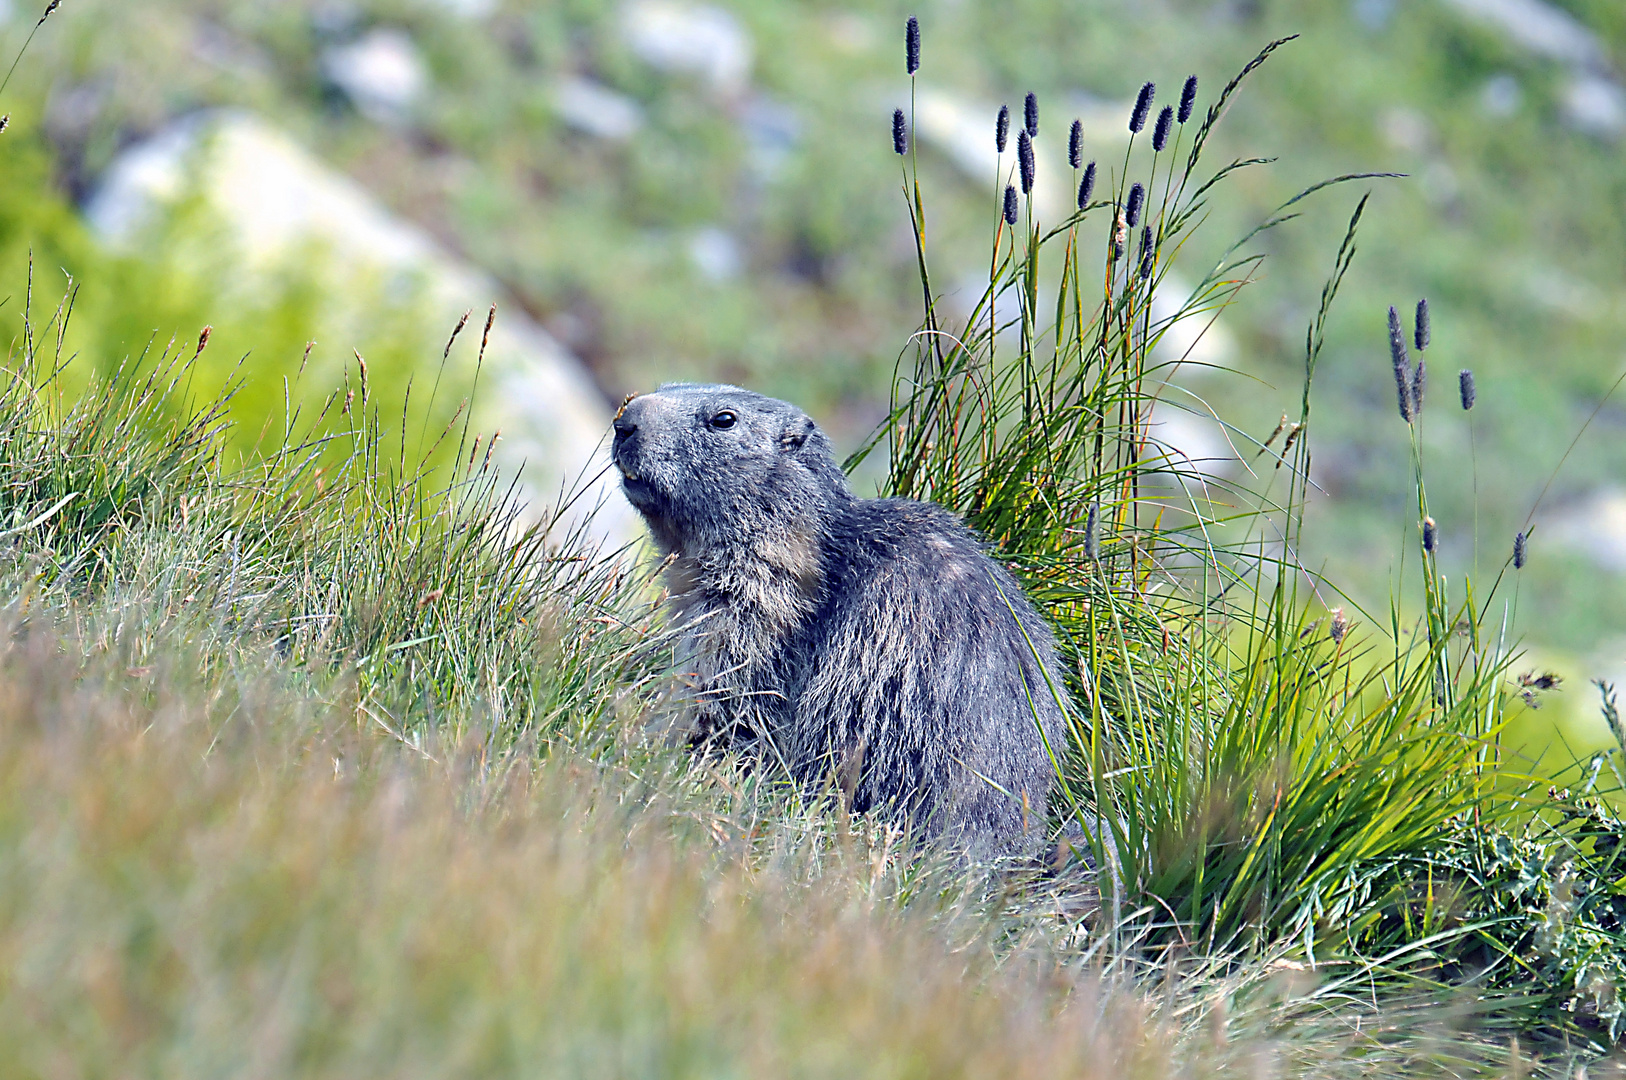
868, 643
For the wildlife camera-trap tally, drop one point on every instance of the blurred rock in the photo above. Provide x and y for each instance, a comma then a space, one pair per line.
692, 38
1595, 105
1195, 446
1541, 28
1501, 96
716, 254
771, 130
468, 9
1597, 528
1593, 100
963, 130
1406, 129
1373, 14
381, 72
279, 204
1196, 337
595, 109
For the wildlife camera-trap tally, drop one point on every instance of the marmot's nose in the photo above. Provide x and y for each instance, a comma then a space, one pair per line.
626, 420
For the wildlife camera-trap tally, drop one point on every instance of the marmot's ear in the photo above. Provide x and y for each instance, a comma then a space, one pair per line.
796, 433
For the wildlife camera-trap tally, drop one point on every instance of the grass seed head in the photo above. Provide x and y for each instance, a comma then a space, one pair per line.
1146, 252
1002, 128
1431, 535
1465, 386
1010, 205
1160, 133
1402, 366
1075, 144
1086, 186
1024, 157
1340, 621
1137, 200
1143, 105
911, 45
1521, 550
1092, 528
1419, 386
1030, 115
900, 132
1420, 336
1188, 98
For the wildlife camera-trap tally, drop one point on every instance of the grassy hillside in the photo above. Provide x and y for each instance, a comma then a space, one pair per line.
317, 761
322, 774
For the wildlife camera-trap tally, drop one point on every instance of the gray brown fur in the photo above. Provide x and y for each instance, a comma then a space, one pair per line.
871, 643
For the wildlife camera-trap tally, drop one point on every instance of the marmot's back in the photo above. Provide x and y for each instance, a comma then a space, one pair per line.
929, 671
872, 641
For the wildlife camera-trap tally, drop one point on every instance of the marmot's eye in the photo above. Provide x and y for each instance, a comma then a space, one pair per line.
723, 420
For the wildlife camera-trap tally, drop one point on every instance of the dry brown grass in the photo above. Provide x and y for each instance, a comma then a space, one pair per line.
256, 886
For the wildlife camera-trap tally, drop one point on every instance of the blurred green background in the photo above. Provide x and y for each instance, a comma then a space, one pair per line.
683, 191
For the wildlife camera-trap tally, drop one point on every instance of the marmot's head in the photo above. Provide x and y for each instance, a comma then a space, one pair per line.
716, 466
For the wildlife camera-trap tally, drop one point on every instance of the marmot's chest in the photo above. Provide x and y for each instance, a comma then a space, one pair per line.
741, 620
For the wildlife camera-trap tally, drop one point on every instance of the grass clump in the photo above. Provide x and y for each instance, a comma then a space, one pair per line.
1265, 778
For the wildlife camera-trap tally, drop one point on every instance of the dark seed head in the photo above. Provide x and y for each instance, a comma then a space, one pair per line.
1146, 252
1143, 105
1086, 186
1024, 158
1397, 352
1092, 527
1465, 384
1397, 342
1010, 205
1420, 336
1137, 199
911, 45
1030, 114
1188, 98
1075, 144
1431, 535
1002, 128
900, 132
1521, 551
1160, 133
1419, 386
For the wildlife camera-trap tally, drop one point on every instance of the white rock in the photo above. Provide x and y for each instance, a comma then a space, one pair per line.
716, 254
772, 130
693, 38
1501, 96
1541, 28
279, 204
1595, 105
1194, 336
963, 131
1194, 446
594, 108
382, 72
1597, 528
468, 9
